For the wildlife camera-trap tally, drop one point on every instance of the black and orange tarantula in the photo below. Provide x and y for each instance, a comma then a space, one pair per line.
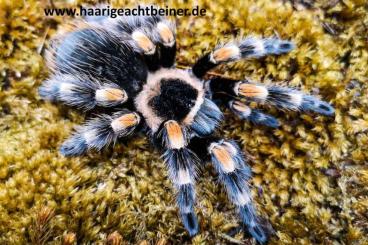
125, 67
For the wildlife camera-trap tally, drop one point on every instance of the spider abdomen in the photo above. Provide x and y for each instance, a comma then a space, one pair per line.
103, 56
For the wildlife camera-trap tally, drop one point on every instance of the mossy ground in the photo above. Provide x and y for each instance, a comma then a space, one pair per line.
310, 175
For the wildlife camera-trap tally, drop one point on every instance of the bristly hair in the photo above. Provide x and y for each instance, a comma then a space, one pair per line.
96, 134
100, 54
207, 119
183, 158
79, 92
255, 116
282, 97
163, 137
238, 159
292, 99
235, 179
182, 165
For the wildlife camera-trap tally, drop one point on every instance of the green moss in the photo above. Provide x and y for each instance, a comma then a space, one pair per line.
312, 171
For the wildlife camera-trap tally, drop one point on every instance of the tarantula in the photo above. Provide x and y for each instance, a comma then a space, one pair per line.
123, 69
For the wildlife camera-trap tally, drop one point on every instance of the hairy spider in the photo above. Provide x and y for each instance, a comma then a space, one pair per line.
123, 69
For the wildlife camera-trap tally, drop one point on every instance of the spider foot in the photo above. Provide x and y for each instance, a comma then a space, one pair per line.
253, 226
190, 223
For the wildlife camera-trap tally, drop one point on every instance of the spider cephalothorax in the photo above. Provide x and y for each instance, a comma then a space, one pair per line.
126, 66
170, 94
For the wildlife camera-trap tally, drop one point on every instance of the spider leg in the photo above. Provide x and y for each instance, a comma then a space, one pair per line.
181, 163
207, 118
255, 116
250, 47
153, 35
166, 30
282, 97
278, 96
100, 132
82, 92
234, 173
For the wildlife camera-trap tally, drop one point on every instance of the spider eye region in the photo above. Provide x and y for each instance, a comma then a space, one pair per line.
175, 99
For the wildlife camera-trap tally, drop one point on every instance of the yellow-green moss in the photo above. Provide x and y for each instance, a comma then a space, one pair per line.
310, 176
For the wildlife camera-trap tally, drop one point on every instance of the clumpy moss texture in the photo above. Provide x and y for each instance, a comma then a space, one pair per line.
310, 175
